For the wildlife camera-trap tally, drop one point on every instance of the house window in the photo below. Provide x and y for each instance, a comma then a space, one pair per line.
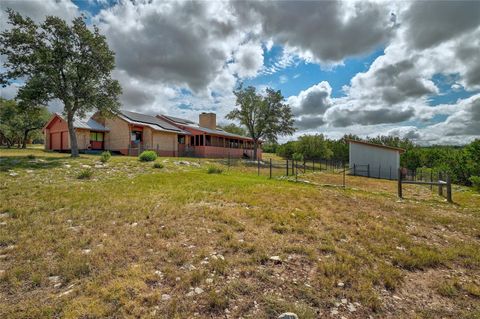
96, 136
181, 139
136, 136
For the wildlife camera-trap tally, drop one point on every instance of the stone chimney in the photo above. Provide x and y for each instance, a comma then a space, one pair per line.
208, 120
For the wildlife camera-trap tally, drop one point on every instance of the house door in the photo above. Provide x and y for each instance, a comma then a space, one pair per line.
96, 140
64, 139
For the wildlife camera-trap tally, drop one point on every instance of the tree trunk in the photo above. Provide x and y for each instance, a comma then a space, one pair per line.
255, 147
73, 136
25, 138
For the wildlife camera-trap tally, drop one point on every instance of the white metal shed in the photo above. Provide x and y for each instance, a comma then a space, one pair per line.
374, 160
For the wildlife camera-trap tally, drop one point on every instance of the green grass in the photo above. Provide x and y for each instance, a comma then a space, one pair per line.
114, 244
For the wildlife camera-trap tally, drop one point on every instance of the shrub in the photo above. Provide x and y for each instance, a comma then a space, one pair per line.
214, 170
475, 182
31, 156
105, 156
85, 174
148, 156
297, 157
157, 165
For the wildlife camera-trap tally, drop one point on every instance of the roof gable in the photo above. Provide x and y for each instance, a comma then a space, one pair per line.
78, 123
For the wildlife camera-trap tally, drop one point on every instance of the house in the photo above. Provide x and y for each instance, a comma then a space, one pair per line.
374, 160
130, 133
206, 140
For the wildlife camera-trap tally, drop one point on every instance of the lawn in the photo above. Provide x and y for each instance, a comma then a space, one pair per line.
133, 241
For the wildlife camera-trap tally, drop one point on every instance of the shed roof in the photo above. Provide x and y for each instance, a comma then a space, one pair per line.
398, 149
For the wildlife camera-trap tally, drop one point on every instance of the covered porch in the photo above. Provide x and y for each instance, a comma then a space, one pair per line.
216, 146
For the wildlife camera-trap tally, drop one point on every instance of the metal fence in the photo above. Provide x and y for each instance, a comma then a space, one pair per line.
285, 168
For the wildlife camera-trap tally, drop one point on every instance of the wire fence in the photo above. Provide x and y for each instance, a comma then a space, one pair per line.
288, 168
419, 183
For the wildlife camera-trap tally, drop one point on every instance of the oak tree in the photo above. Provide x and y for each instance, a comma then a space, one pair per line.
60, 61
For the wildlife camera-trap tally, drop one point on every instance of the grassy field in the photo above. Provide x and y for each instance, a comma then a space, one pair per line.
133, 241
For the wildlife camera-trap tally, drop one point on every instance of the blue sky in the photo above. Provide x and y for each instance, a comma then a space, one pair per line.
404, 68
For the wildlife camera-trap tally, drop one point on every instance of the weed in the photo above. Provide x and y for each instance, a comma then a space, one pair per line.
216, 302
85, 174
105, 156
214, 170
31, 157
448, 289
157, 165
419, 258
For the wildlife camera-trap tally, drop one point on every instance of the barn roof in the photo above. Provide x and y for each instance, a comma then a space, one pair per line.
398, 149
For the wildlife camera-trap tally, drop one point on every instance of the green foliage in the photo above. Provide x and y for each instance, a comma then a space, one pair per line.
71, 63
313, 146
85, 174
269, 147
157, 165
264, 116
234, 129
297, 157
214, 170
19, 122
475, 180
286, 150
148, 156
105, 156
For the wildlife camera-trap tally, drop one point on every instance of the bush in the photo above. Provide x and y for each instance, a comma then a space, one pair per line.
297, 157
148, 156
105, 157
157, 165
85, 174
214, 170
31, 156
475, 182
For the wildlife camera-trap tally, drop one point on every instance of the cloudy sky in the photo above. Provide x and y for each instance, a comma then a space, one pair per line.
382, 67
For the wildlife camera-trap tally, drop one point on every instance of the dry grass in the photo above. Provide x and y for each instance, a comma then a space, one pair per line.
135, 241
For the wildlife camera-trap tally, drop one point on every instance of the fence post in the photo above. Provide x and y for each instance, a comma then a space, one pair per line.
287, 167
440, 185
270, 168
449, 189
431, 179
313, 165
379, 171
296, 170
400, 183
368, 170
344, 169
354, 169
390, 172
258, 166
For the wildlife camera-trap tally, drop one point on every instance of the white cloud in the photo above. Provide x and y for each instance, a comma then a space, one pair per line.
248, 60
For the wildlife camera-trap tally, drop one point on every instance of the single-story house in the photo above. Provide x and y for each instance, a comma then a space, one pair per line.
130, 133
374, 160
206, 140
